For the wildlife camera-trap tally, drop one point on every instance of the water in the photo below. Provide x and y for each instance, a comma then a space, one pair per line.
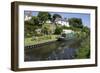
58, 50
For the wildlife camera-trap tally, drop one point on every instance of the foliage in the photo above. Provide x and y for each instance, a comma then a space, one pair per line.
46, 29
84, 49
27, 28
58, 30
76, 22
43, 17
34, 20
86, 29
56, 16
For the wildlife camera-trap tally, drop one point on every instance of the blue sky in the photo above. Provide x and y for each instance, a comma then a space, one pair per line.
85, 17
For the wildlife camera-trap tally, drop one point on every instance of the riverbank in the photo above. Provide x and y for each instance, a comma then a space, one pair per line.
39, 40
40, 44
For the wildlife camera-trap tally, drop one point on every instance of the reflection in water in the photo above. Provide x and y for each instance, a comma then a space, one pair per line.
54, 51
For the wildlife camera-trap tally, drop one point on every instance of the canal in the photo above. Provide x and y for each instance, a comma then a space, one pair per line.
57, 50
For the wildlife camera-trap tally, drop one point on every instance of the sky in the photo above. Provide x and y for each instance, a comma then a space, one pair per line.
84, 16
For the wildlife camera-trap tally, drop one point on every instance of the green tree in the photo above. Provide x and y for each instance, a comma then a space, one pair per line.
86, 29
29, 28
84, 50
75, 22
34, 20
47, 29
58, 30
43, 17
55, 16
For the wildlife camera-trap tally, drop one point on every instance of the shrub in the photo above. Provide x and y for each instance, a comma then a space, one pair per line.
84, 49
58, 30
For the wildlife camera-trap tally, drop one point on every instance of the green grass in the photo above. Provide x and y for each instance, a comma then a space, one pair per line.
38, 40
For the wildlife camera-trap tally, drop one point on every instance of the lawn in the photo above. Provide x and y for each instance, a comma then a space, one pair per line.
38, 40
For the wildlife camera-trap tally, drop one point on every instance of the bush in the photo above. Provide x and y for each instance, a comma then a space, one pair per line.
46, 29
84, 49
58, 30
76, 22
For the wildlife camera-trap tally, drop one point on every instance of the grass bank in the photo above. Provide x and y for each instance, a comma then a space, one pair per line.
39, 40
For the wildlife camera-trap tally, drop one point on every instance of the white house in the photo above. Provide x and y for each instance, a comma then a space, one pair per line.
27, 18
63, 22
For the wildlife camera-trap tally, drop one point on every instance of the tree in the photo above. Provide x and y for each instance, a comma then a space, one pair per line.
43, 17
46, 29
34, 20
58, 30
55, 16
30, 26
75, 22
86, 29
84, 49
28, 29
